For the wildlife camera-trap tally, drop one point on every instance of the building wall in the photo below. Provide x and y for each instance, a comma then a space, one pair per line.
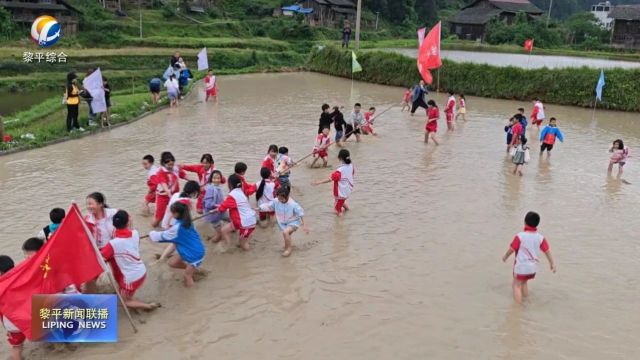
468, 31
626, 33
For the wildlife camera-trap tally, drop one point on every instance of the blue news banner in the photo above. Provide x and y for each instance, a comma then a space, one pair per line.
74, 318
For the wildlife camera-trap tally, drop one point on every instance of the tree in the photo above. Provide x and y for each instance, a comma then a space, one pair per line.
427, 11
6, 25
583, 26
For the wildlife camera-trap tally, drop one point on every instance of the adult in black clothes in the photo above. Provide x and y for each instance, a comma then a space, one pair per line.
417, 98
346, 34
325, 118
339, 124
174, 60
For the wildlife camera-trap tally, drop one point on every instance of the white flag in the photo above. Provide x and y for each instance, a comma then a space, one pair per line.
203, 62
93, 84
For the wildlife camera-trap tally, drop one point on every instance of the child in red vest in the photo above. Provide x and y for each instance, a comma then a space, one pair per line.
320, 150
527, 245
123, 254
167, 184
203, 171
152, 170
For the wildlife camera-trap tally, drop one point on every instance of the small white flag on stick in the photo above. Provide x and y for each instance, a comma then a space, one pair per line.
203, 62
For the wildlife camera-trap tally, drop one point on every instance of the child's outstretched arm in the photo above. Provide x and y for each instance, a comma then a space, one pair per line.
552, 264
507, 254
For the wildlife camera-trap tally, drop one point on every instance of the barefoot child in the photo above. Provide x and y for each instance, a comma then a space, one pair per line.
521, 155
56, 215
15, 337
339, 124
167, 184
527, 245
537, 116
210, 85
203, 171
283, 166
123, 254
619, 155
406, 100
462, 108
152, 170
289, 214
342, 180
509, 130
548, 136
213, 197
431, 128
369, 118
186, 239
320, 150
354, 123
266, 192
451, 105
241, 215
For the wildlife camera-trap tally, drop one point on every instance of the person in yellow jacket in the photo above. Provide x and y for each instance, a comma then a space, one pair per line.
72, 99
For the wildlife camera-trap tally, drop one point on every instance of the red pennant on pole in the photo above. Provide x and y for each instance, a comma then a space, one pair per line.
528, 45
429, 54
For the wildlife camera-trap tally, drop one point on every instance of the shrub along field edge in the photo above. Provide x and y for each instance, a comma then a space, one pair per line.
568, 86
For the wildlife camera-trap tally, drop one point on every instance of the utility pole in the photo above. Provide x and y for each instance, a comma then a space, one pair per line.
549, 15
358, 16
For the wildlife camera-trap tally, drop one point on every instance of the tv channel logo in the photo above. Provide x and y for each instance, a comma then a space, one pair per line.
45, 31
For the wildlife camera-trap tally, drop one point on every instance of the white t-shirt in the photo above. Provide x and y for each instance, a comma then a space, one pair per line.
172, 85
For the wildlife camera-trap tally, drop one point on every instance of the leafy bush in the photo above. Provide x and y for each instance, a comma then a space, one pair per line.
567, 86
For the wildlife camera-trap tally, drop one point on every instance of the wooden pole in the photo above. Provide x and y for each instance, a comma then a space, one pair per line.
595, 104
358, 16
107, 269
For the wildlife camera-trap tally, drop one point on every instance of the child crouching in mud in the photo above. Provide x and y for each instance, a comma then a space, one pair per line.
527, 245
187, 240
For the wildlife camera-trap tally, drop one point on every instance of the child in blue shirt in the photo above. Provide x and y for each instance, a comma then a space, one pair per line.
213, 197
187, 240
289, 214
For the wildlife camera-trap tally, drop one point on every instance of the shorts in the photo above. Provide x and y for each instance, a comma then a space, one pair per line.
429, 128
129, 290
339, 204
150, 197
509, 139
321, 153
264, 215
295, 225
15, 338
154, 89
339, 134
195, 264
524, 277
161, 206
546, 146
284, 181
537, 122
462, 110
449, 117
245, 233
172, 95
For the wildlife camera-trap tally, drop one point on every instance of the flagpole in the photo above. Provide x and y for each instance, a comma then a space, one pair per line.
530, 51
438, 82
106, 269
595, 104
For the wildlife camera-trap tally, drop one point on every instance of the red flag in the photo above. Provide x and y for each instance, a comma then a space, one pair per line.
429, 53
528, 45
69, 257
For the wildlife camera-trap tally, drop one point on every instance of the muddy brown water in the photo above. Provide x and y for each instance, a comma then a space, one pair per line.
412, 272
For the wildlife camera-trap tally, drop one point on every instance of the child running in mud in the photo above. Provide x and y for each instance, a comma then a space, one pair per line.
431, 127
406, 100
187, 241
321, 147
289, 214
619, 155
521, 155
342, 179
369, 118
123, 253
449, 110
266, 193
548, 136
527, 245
241, 215
152, 170
213, 197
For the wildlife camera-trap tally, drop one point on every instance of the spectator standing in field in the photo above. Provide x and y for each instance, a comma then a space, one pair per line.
154, 87
346, 34
72, 99
417, 97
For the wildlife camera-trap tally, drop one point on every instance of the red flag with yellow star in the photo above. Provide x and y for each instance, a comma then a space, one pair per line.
68, 258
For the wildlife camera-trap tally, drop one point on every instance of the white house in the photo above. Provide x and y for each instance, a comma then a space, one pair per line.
601, 12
